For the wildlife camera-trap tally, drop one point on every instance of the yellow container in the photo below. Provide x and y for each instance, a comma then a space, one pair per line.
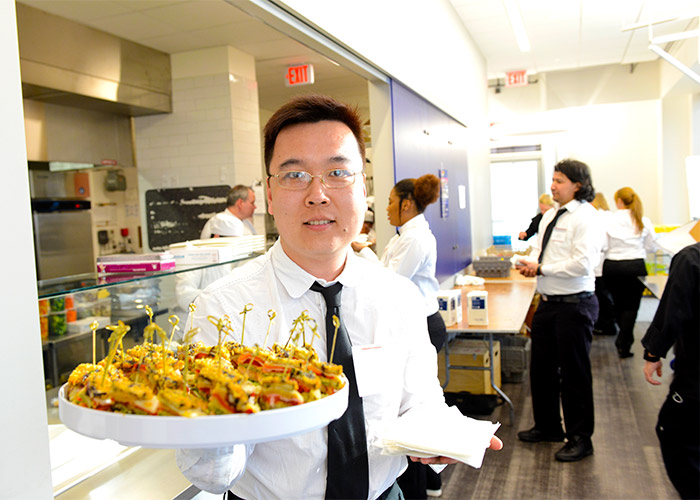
468, 352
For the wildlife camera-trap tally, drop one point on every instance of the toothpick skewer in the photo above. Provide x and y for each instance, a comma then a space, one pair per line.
336, 324
93, 327
270, 314
173, 320
244, 312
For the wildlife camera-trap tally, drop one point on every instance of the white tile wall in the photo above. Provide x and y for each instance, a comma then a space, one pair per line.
212, 137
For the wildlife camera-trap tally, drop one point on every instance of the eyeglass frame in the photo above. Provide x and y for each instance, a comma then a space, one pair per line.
354, 174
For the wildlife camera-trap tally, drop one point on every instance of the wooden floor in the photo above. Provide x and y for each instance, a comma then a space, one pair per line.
626, 463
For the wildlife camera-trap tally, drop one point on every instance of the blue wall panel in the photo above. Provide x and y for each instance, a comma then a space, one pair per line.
425, 141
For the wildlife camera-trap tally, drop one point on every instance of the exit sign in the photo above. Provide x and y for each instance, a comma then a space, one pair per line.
299, 75
516, 78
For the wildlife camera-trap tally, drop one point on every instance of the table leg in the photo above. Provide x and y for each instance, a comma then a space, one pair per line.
493, 383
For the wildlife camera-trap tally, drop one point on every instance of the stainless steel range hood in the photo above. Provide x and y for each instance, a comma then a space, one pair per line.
63, 62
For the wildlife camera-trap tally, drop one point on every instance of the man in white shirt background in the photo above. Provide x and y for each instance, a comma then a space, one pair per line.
235, 220
314, 155
568, 249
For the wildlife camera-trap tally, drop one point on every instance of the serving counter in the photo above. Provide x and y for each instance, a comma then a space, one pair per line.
509, 301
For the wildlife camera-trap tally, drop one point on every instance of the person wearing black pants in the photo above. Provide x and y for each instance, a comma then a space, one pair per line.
412, 253
629, 237
677, 323
568, 250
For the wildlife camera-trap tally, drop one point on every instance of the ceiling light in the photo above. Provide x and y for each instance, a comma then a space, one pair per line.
516, 22
675, 62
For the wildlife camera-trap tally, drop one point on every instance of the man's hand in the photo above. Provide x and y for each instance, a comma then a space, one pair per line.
357, 246
649, 368
527, 268
496, 444
522, 235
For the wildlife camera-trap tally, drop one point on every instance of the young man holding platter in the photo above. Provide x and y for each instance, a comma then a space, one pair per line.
314, 155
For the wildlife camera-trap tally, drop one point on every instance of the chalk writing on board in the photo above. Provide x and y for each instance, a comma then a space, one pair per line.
179, 214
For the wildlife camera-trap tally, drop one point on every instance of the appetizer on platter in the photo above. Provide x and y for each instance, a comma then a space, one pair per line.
196, 379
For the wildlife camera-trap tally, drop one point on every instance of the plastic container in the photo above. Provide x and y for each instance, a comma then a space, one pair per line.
491, 266
58, 324
515, 357
502, 240
44, 322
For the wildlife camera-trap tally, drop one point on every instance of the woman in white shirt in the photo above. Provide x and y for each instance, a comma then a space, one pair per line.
413, 251
413, 254
630, 236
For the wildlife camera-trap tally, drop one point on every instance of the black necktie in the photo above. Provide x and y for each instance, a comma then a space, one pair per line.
548, 233
348, 466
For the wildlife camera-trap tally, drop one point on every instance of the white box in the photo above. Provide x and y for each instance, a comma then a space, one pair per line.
477, 307
450, 306
188, 256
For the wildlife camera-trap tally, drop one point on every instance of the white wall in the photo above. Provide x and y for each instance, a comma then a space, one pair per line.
25, 471
424, 46
632, 128
212, 137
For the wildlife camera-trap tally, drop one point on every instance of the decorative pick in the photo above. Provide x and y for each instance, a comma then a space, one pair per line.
173, 320
118, 332
187, 339
149, 311
270, 314
336, 324
314, 331
192, 307
93, 327
244, 312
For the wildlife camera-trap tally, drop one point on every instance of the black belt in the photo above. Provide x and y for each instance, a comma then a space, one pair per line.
572, 298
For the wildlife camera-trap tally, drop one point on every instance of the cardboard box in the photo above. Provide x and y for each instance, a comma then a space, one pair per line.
192, 255
468, 352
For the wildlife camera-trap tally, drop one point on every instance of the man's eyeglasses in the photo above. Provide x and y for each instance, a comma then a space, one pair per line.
298, 179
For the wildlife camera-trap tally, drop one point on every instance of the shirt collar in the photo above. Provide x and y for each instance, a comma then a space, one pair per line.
572, 205
297, 281
417, 221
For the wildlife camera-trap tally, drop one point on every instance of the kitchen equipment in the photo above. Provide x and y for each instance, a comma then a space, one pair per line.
62, 237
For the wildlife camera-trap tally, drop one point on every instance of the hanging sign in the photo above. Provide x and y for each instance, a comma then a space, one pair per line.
444, 194
299, 75
516, 78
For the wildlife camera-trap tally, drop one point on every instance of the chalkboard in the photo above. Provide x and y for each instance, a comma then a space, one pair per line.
179, 214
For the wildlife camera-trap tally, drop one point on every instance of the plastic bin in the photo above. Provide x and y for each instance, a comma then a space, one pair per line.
492, 266
515, 357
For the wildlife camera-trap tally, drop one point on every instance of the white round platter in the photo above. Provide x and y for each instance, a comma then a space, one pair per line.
210, 431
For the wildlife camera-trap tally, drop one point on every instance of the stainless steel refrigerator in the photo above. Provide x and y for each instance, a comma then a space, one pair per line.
62, 238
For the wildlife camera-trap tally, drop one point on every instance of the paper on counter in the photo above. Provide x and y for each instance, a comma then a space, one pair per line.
465, 279
448, 434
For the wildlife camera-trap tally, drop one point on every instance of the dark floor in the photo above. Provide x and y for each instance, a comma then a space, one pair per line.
627, 462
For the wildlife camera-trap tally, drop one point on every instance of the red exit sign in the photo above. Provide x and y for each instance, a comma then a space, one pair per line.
516, 78
299, 75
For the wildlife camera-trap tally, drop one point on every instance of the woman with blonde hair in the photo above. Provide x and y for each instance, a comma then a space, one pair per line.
545, 203
630, 236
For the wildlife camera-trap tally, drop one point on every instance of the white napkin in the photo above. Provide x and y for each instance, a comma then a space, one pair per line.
447, 434
465, 279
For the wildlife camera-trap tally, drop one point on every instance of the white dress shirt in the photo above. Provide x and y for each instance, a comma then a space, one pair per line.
413, 253
377, 307
228, 223
573, 251
624, 241
189, 284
